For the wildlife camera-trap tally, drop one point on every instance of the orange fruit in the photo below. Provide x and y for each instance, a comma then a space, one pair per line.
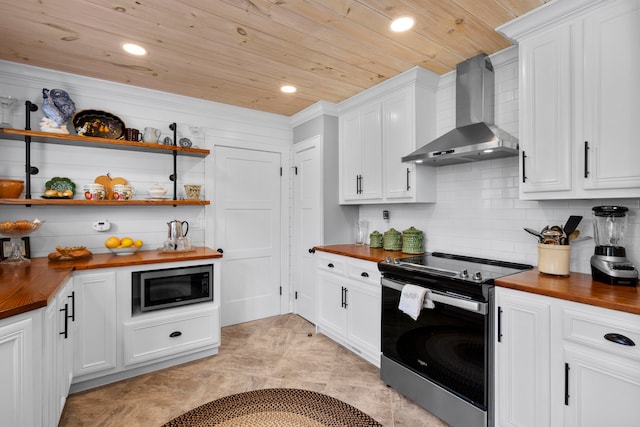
112, 242
126, 242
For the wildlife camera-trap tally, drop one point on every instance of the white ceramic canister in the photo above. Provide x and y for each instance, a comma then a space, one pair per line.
122, 192
94, 192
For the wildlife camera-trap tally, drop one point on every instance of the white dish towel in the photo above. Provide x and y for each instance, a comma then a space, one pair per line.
411, 300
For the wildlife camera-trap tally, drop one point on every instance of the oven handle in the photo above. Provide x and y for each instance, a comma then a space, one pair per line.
468, 305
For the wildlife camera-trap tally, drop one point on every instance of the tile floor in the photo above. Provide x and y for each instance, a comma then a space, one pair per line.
280, 351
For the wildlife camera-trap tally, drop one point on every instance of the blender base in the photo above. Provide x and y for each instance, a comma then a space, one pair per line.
603, 277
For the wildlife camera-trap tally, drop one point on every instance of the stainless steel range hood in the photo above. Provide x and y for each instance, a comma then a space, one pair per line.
475, 136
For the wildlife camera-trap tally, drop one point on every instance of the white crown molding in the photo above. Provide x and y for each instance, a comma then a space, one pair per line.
547, 15
504, 57
311, 112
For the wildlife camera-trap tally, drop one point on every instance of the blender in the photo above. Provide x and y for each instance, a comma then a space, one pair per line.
609, 263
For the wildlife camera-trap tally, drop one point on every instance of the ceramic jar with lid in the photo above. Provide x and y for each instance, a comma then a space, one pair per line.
375, 239
95, 192
412, 241
122, 192
392, 240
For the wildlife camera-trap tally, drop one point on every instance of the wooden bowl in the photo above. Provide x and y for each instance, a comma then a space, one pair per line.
10, 188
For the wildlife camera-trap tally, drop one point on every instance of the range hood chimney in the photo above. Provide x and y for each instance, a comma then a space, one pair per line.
475, 136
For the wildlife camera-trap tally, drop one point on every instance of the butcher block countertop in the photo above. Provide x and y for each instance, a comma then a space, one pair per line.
362, 252
23, 289
577, 287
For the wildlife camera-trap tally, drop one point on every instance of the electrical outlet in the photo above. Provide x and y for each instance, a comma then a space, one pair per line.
103, 225
385, 215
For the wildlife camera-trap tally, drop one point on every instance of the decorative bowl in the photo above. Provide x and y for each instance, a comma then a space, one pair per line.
98, 123
59, 188
10, 188
19, 228
125, 251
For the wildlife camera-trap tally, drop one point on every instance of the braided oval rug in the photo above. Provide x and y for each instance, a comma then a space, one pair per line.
275, 407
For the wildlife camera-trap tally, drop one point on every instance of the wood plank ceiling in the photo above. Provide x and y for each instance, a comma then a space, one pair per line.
240, 52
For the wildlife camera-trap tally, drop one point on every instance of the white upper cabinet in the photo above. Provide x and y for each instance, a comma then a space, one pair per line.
579, 99
378, 128
545, 142
612, 98
361, 154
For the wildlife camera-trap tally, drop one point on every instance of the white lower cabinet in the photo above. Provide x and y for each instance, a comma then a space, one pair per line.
95, 335
19, 398
349, 303
523, 357
561, 363
57, 360
161, 336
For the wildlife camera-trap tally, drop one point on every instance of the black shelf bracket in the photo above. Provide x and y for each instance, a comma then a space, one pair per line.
174, 176
29, 170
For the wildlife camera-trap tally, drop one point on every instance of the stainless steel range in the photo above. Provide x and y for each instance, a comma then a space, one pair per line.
443, 361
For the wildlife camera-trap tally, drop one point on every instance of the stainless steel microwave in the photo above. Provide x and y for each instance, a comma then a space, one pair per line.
171, 287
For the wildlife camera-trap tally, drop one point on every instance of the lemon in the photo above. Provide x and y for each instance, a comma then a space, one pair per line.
137, 243
112, 242
126, 242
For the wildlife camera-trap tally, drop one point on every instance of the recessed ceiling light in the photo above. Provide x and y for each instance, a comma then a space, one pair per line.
402, 23
288, 89
134, 49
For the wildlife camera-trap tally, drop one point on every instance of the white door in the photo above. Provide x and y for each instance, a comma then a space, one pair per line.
248, 229
307, 222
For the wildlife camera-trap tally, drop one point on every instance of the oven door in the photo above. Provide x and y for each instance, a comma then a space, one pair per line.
446, 345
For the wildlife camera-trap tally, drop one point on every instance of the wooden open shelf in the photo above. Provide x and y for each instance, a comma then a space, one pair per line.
80, 202
90, 141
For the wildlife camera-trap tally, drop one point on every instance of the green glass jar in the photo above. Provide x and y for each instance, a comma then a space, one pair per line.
375, 239
392, 240
412, 241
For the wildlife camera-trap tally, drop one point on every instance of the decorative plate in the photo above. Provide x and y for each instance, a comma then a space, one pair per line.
99, 124
60, 186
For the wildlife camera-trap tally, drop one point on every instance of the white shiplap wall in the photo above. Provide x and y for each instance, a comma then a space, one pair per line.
478, 212
205, 123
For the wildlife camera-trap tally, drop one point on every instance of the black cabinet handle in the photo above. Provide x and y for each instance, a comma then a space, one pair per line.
524, 175
566, 384
175, 334
408, 184
364, 274
586, 159
66, 321
344, 297
220, 250
619, 339
312, 251
499, 324
330, 265
73, 305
